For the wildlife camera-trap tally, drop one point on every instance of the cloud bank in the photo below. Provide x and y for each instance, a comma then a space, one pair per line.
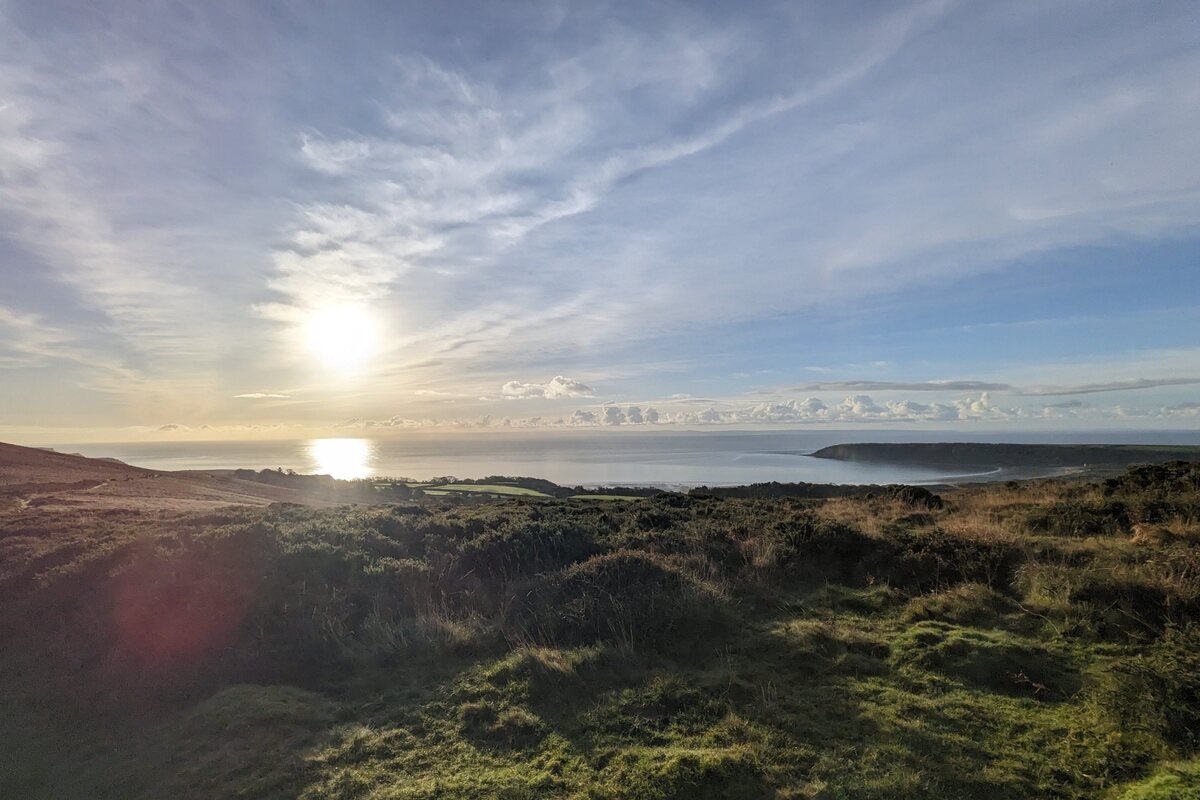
853, 409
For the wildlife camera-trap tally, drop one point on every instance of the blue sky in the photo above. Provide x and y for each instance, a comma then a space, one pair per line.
238, 219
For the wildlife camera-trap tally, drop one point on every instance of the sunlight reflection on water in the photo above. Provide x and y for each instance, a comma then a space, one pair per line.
344, 459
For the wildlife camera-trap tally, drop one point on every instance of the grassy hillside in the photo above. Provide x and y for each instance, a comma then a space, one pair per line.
1025, 641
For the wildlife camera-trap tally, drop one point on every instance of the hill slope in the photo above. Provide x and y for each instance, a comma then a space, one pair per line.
977, 455
35, 478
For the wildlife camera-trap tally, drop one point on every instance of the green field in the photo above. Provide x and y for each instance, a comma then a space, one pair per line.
484, 488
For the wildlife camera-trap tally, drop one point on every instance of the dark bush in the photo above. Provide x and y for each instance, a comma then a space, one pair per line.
1171, 478
1080, 518
916, 496
1158, 691
937, 559
521, 550
836, 549
1138, 605
627, 597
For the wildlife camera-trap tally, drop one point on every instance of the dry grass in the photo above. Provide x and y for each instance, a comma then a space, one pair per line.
1179, 528
871, 516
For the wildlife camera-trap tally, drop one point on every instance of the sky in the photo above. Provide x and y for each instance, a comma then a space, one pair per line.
234, 220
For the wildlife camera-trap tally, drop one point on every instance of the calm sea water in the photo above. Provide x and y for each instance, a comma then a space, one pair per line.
661, 458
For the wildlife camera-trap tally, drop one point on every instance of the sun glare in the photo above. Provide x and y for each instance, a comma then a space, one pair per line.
344, 459
342, 337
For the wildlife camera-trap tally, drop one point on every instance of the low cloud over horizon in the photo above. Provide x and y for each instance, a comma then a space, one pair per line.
853, 409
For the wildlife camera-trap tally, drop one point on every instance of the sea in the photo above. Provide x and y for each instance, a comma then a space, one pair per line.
666, 459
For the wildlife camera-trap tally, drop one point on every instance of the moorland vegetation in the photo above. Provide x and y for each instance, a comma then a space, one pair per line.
1025, 640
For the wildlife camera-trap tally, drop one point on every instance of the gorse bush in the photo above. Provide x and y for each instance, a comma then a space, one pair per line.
1081, 518
1158, 691
1174, 478
627, 597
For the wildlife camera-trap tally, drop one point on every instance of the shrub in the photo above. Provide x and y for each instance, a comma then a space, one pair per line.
628, 597
916, 496
833, 549
1170, 478
1080, 518
516, 551
1140, 599
936, 559
1158, 691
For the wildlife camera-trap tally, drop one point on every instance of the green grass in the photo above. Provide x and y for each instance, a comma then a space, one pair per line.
675, 647
1169, 782
486, 488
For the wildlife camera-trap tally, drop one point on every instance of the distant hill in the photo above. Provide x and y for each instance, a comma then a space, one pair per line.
34, 477
982, 455
36, 465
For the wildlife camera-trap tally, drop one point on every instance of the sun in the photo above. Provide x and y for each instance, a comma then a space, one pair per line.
344, 459
342, 337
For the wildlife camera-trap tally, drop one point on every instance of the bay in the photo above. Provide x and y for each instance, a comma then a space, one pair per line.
589, 458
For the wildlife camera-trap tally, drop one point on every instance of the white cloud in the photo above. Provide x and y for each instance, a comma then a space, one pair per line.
556, 387
261, 396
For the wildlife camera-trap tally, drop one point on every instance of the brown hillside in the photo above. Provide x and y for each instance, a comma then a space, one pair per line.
32, 478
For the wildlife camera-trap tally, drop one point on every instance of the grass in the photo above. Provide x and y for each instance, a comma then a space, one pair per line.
1169, 782
485, 488
870, 647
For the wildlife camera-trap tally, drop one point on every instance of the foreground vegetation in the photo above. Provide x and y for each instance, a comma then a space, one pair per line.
1020, 641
